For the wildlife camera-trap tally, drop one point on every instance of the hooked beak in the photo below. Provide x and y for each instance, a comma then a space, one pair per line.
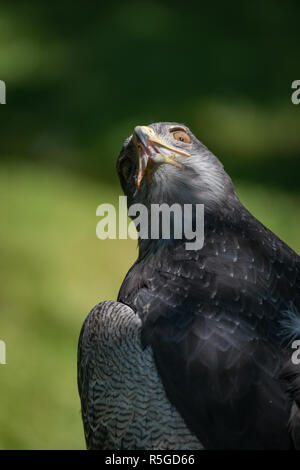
153, 151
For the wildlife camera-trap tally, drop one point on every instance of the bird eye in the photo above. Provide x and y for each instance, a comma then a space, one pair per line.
126, 167
181, 136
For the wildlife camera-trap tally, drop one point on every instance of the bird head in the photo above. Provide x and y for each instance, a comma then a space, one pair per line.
165, 163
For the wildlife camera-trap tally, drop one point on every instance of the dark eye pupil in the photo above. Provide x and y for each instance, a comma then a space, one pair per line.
181, 138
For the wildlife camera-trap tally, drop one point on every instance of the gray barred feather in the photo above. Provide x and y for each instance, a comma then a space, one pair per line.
123, 402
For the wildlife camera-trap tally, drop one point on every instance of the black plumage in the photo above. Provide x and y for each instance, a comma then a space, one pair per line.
217, 339
220, 320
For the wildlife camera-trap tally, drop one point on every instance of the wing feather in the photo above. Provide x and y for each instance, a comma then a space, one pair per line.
123, 402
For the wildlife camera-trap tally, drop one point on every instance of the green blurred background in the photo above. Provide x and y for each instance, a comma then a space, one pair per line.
80, 76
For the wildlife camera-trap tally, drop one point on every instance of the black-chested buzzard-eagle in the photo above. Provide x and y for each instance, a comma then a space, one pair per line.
197, 351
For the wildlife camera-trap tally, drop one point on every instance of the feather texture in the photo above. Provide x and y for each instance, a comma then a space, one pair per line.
123, 402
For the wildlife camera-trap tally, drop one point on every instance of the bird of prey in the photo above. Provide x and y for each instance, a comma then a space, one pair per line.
197, 350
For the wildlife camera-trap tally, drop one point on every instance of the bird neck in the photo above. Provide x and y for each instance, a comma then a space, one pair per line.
190, 224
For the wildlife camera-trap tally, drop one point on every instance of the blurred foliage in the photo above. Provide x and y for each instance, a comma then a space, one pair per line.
80, 76
53, 271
